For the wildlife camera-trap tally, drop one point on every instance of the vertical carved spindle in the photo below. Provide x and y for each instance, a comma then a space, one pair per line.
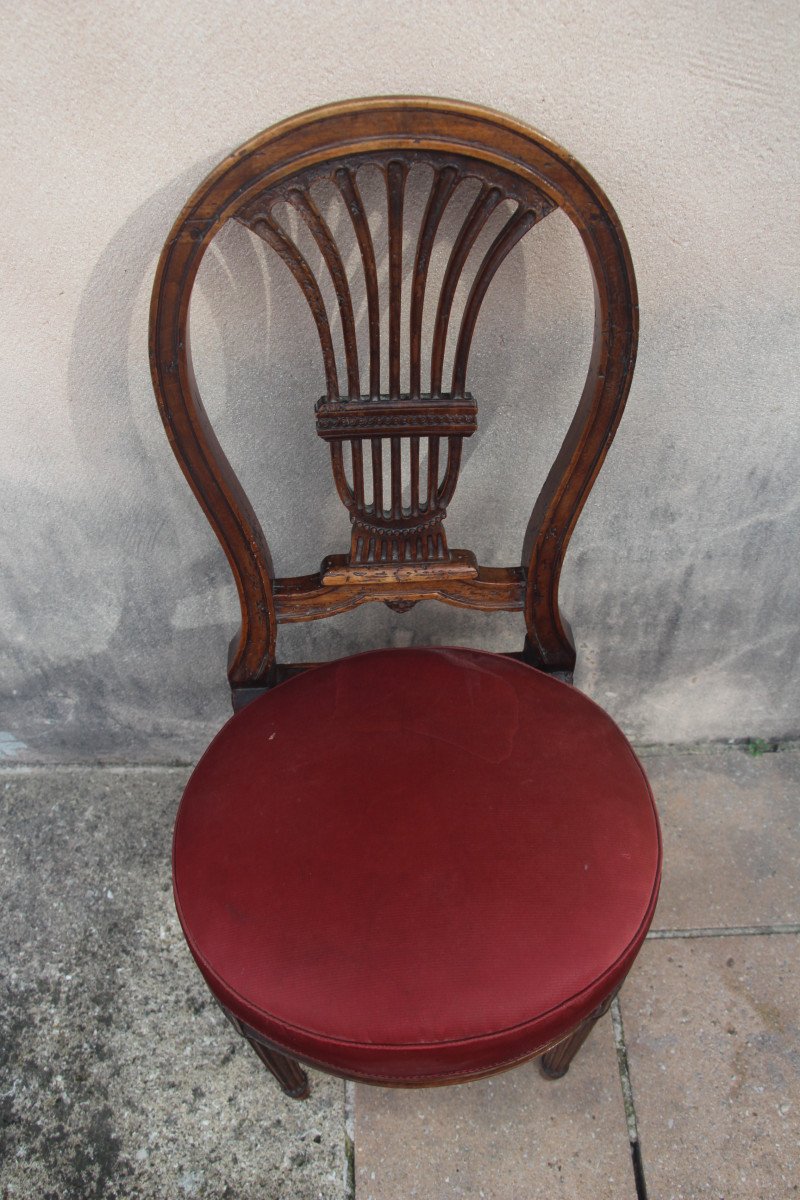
433, 471
515, 228
413, 454
395, 183
320, 231
397, 479
444, 185
355, 206
482, 208
267, 228
358, 473
377, 476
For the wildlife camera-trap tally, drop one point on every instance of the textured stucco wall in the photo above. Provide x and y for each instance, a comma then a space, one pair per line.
681, 582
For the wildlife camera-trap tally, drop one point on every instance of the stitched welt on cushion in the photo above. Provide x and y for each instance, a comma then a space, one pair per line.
481, 1037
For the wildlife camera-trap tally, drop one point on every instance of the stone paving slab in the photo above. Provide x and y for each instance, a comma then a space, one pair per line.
712, 1027
731, 838
516, 1136
119, 1077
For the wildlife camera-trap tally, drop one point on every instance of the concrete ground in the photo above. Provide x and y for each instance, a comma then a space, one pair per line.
119, 1077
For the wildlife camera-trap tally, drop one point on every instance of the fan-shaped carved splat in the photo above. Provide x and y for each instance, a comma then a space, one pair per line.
398, 548
389, 540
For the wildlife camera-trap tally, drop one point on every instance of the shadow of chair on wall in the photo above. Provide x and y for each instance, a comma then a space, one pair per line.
159, 680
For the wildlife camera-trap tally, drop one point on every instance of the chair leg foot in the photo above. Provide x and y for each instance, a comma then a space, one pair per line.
288, 1072
556, 1062
551, 1071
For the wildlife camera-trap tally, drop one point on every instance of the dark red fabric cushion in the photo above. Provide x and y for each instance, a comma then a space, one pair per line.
413, 864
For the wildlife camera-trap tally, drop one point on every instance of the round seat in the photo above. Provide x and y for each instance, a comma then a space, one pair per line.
416, 865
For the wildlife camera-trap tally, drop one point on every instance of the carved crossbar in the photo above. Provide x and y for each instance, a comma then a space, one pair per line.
385, 530
397, 501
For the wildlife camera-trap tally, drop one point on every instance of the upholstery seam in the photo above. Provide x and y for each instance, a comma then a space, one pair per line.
639, 935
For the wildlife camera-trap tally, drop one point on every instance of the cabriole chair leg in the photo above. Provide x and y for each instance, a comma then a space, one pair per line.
555, 1063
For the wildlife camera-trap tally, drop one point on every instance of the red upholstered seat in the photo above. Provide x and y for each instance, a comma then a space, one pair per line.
416, 864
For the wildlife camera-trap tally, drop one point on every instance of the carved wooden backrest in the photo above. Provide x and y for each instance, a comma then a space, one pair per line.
398, 548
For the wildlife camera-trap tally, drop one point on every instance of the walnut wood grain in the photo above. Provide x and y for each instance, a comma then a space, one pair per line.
443, 187
461, 142
355, 206
266, 228
512, 232
556, 1062
396, 174
318, 226
488, 589
483, 206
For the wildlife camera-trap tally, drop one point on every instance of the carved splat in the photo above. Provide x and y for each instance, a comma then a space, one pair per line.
397, 502
388, 535
390, 539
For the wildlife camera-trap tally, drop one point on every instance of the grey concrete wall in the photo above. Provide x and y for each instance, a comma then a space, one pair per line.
681, 582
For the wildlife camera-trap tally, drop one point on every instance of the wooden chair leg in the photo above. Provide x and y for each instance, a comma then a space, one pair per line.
555, 1063
288, 1072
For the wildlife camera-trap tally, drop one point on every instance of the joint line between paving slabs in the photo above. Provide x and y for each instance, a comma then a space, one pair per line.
627, 1098
723, 931
350, 1140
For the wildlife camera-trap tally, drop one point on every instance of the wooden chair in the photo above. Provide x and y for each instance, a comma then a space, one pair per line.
410, 866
